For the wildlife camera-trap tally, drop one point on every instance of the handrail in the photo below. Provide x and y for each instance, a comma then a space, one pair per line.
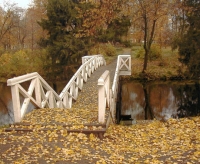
123, 68
42, 95
76, 82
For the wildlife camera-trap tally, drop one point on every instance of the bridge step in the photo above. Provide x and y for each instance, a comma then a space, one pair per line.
97, 129
57, 124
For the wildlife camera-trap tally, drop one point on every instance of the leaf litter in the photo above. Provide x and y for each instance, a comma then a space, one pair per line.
173, 141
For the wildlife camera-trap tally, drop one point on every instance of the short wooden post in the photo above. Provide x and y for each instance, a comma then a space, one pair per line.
51, 100
38, 92
16, 103
101, 105
102, 96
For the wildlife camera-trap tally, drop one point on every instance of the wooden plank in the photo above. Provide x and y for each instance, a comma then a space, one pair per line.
103, 130
21, 79
58, 124
16, 103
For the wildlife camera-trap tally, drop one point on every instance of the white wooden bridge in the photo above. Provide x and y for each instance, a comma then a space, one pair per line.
41, 95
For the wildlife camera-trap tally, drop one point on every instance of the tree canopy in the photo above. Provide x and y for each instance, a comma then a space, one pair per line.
116, 29
63, 43
189, 45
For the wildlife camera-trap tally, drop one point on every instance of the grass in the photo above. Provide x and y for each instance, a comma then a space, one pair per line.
166, 67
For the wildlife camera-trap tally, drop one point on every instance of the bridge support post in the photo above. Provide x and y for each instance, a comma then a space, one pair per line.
16, 103
103, 95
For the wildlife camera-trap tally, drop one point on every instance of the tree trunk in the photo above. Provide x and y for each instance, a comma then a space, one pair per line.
147, 109
145, 43
145, 61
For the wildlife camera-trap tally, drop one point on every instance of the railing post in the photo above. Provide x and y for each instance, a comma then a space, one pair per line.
124, 64
16, 103
51, 100
38, 91
101, 105
66, 101
103, 95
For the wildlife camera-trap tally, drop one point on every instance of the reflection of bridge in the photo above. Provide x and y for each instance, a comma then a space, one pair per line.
41, 95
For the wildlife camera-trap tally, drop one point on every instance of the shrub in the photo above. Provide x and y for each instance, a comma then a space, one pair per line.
104, 49
19, 63
140, 53
155, 52
109, 50
136, 44
127, 43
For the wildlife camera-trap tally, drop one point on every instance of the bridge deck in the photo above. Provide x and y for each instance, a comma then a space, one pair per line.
82, 117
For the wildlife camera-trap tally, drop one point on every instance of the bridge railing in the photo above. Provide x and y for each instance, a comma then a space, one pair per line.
123, 68
40, 93
70, 92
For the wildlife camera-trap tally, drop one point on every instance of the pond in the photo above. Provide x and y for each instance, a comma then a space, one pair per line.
6, 106
159, 100
6, 112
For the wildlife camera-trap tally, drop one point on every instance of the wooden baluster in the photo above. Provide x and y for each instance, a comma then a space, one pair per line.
38, 92
16, 103
51, 100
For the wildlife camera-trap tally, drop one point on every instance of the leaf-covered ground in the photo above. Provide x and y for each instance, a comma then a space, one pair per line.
174, 141
59, 116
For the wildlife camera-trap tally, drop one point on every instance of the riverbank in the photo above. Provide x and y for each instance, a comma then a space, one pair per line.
167, 67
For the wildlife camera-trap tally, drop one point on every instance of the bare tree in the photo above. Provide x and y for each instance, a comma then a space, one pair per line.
7, 23
150, 11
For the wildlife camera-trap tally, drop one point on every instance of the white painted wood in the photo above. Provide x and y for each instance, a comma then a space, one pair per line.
31, 87
85, 71
51, 99
38, 92
25, 94
107, 95
103, 95
21, 79
16, 103
45, 96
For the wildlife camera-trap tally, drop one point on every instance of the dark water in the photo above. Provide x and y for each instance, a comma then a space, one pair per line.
160, 100
6, 106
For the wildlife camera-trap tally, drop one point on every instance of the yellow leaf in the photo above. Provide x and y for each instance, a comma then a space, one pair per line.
92, 137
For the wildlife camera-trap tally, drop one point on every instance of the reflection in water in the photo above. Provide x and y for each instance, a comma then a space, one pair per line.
160, 100
6, 107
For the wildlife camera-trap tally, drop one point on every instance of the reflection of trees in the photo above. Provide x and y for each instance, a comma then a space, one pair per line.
189, 101
164, 100
3, 106
147, 109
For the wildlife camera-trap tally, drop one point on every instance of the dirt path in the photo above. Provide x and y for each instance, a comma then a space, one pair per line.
126, 51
